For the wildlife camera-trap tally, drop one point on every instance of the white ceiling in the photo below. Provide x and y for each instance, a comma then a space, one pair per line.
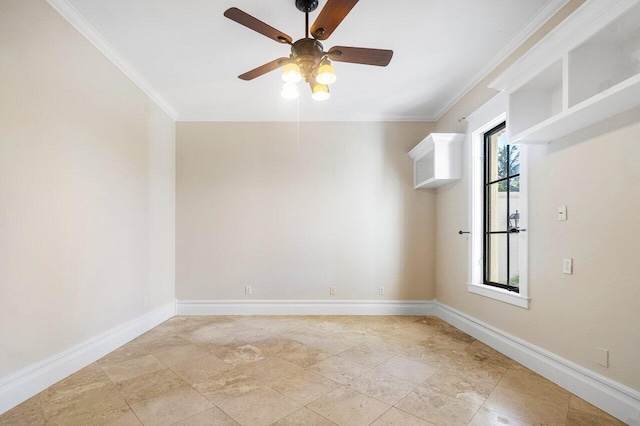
191, 54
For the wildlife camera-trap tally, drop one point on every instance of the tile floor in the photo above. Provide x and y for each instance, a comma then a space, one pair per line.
305, 371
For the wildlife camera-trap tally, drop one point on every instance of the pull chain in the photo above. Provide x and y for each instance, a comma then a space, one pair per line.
298, 124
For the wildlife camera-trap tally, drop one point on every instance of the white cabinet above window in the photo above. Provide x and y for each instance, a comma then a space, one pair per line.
437, 160
584, 71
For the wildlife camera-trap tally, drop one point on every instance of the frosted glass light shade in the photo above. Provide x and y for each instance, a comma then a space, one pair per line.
320, 92
290, 91
326, 74
291, 73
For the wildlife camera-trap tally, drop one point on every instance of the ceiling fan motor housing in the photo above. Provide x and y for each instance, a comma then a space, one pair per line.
306, 6
307, 53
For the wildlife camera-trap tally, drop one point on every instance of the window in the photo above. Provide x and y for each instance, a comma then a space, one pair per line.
498, 215
501, 210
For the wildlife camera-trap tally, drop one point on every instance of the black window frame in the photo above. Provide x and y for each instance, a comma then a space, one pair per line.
487, 232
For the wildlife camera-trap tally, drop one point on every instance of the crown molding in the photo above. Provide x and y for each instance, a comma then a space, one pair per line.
196, 116
534, 24
71, 14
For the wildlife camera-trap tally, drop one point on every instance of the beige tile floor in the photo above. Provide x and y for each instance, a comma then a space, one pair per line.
305, 371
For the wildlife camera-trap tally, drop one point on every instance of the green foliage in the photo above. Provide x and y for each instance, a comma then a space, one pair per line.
515, 280
509, 165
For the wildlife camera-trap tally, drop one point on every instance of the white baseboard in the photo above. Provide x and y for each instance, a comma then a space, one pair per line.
608, 395
305, 307
22, 385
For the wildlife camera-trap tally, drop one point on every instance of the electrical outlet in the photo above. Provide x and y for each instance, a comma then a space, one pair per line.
247, 289
332, 291
381, 291
562, 213
602, 357
567, 266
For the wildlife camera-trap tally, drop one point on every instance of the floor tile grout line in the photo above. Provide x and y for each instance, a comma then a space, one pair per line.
116, 389
405, 411
382, 414
566, 420
492, 390
134, 413
475, 412
324, 394
298, 410
186, 384
215, 405
195, 389
379, 400
121, 396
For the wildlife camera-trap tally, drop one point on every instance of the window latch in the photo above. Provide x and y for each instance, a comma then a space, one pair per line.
463, 232
516, 230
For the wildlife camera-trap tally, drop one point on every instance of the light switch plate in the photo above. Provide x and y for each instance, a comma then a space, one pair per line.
567, 266
562, 213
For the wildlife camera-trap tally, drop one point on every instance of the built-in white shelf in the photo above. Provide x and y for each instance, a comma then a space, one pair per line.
584, 71
437, 160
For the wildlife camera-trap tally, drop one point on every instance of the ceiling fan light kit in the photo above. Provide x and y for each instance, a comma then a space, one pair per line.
290, 91
326, 75
320, 92
308, 59
291, 73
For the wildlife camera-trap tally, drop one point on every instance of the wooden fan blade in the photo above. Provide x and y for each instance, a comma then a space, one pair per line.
257, 72
257, 25
330, 17
360, 55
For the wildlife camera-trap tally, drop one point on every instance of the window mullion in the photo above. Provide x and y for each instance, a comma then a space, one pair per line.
507, 168
487, 210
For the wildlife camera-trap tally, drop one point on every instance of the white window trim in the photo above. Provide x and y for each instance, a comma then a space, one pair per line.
484, 119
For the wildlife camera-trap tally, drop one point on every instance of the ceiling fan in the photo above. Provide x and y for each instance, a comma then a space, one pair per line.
308, 59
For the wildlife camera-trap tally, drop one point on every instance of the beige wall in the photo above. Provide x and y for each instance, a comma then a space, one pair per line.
593, 173
256, 207
87, 190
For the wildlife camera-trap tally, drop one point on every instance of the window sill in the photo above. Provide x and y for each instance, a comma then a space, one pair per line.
499, 294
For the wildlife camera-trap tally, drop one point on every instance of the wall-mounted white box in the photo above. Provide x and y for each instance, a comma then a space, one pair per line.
437, 160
